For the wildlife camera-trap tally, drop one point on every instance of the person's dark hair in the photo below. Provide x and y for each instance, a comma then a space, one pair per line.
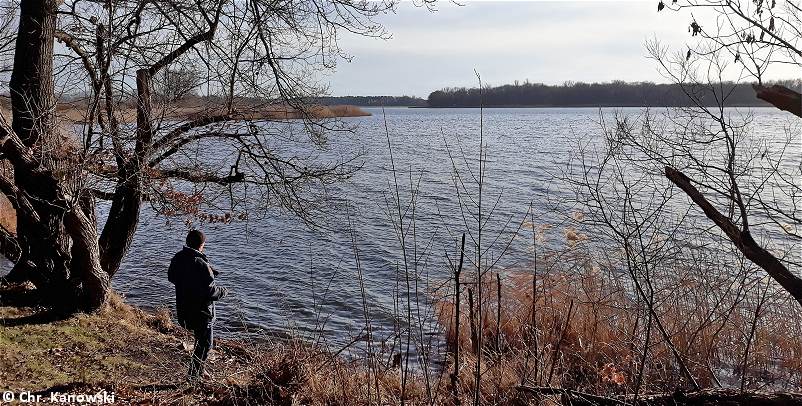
195, 239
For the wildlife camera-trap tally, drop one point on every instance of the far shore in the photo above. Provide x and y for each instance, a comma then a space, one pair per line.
265, 112
78, 113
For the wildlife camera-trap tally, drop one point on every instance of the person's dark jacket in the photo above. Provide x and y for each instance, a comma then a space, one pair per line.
195, 290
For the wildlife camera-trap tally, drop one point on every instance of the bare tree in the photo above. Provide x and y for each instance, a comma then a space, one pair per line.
226, 153
752, 192
756, 34
176, 84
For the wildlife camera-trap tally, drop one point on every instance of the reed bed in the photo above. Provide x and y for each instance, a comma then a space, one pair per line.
576, 323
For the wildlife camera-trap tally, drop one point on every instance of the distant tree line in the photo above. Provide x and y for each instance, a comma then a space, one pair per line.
612, 94
374, 101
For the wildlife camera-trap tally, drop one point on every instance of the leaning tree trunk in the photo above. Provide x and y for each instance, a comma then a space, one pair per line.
121, 223
56, 235
86, 266
742, 238
123, 218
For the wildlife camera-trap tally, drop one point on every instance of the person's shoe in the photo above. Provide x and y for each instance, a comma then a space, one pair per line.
196, 378
212, 355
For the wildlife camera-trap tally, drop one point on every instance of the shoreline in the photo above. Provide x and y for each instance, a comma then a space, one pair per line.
135, 356
76, 113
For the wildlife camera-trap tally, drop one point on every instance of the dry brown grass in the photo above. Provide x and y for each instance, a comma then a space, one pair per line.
340, 111
294, 372
8, 217
589, 331
78, 114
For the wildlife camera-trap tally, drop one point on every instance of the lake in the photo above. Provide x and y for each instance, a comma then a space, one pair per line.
287, 278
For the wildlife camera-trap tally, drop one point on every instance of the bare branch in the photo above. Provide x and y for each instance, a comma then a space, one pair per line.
781, 97
741, 238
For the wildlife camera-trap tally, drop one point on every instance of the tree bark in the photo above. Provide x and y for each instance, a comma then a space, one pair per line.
31, 84
85, 265
118, 232
121, 223
781, 97
56, 233
44, 256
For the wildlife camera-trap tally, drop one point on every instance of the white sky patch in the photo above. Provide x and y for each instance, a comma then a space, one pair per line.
542, 41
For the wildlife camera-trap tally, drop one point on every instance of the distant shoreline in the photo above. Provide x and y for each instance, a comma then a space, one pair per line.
608, 94
78, 114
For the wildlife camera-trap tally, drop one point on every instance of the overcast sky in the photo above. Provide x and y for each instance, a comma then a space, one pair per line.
543, 41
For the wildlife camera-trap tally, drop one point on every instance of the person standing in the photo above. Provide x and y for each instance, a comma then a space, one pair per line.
195, 294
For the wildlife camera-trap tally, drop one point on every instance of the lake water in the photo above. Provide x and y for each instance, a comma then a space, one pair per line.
284, 276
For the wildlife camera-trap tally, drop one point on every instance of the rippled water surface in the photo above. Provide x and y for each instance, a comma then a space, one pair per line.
284, 276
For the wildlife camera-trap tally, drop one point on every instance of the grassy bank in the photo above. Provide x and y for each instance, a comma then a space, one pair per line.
142, 357
137, 355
